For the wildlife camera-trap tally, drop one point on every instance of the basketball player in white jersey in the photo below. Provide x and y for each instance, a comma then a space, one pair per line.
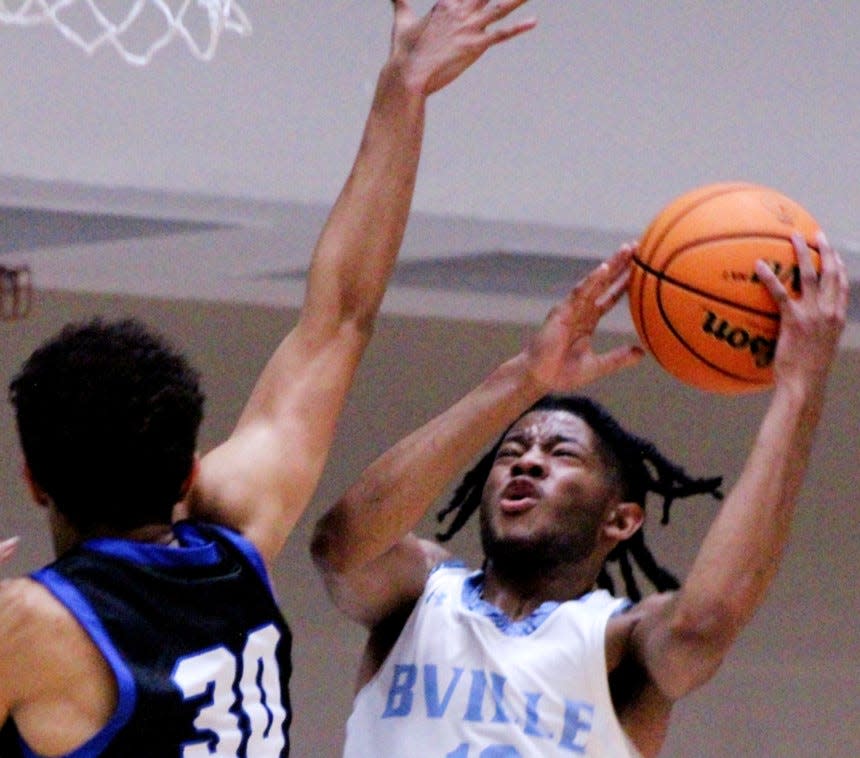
527, 656
153, 638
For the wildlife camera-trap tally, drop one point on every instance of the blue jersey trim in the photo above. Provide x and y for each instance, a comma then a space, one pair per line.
623, 607
242, 544
451, 563
77, 605
473, 587
195, 550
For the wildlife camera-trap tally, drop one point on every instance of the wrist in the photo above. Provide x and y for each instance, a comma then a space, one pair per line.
398, 79
525, 383
800, 398
801, 385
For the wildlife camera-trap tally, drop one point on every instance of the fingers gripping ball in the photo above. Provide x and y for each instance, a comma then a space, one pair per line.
695, 298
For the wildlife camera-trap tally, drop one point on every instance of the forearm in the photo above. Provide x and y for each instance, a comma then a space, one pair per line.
684, 642
357, 248
393, 494
351, 264
742, 550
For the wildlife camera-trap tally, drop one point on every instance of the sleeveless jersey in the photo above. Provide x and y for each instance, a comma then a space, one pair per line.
464, 681
198, 646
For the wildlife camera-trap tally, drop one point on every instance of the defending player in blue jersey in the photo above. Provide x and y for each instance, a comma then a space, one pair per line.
156, 636
530, 656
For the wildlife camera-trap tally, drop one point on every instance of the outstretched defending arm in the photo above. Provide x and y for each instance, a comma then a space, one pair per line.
364, 548
262, 478
683, 643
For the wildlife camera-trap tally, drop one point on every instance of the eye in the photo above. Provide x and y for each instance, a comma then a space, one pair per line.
508, 451
564, 451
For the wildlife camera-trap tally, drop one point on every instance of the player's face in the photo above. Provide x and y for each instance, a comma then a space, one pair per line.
547, 493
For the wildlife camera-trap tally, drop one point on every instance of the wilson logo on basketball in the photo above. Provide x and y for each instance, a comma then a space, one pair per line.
788, 275
760, 347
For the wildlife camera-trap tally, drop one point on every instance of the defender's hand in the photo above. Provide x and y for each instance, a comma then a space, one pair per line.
436, 49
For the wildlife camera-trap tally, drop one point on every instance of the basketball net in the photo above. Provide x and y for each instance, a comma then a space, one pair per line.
89, 25
16, 292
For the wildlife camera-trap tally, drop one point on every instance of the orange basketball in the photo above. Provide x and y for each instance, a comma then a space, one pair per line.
696, 301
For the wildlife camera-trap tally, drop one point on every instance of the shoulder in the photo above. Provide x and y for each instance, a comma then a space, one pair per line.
438, 574
23, 601
30, 617
27, 610
449, 578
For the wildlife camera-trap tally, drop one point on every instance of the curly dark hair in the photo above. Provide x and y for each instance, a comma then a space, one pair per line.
108, 415
636, 465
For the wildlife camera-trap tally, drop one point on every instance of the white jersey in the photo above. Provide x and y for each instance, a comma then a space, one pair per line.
464, 681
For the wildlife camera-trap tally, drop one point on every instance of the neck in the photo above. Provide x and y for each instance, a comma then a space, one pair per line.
158, 533
66, 536
518, 593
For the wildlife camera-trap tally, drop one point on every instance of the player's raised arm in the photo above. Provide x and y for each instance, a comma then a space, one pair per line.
684, 643
363, 546
262, 478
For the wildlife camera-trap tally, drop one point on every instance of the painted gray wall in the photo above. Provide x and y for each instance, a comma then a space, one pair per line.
596, 118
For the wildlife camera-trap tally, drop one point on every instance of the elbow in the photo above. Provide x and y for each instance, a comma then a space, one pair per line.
363, 323
322, 546
359, 317
326, 547
711, 622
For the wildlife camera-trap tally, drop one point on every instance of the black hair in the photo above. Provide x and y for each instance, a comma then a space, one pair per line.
636, 465
108, 415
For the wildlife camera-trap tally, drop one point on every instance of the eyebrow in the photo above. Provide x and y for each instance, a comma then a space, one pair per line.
577, 442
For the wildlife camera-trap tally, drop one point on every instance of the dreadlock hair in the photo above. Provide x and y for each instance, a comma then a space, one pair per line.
636, 464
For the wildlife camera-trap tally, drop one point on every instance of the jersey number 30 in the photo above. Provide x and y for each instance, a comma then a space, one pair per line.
260, 692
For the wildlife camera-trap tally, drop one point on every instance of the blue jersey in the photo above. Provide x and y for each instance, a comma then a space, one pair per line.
194, 637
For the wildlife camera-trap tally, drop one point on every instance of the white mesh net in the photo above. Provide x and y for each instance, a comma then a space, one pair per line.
136, 29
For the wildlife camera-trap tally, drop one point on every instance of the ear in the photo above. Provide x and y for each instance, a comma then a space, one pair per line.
36, 492
622, 521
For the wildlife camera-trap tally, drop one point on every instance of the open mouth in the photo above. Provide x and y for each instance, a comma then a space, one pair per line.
519, 495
